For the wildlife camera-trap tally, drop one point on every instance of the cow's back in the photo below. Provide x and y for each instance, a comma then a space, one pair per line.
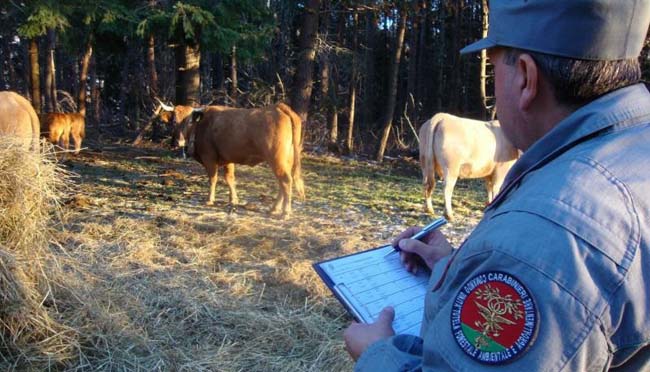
54, 125
242, 136
18, 120
469, 144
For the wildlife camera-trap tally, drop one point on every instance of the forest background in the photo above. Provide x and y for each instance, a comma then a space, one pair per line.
363, 75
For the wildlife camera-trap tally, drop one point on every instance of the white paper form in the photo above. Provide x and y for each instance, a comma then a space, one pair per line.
370, 280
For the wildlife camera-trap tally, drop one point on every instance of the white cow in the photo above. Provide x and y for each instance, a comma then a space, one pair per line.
457, 147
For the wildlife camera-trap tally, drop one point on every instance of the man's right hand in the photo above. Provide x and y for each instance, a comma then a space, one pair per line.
433, 247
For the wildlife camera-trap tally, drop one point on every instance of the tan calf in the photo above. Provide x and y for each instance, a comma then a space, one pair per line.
58, 127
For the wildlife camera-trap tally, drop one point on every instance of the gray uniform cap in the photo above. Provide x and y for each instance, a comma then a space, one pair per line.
579, 29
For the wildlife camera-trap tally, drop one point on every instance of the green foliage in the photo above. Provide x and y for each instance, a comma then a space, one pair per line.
42, 16
188, 20
114, 17
97, 18
246, 24
157, 20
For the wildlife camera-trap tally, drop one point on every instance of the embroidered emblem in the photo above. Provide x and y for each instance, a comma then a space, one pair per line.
494, 319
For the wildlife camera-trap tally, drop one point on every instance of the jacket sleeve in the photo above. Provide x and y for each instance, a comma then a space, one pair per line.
398, 353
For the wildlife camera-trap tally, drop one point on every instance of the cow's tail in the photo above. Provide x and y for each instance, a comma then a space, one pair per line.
82, 129
296, 171
427, 154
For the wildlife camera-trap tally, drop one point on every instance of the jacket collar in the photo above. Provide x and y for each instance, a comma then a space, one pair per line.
616, 110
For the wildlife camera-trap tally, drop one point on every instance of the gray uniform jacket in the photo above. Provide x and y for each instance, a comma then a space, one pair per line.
556, 275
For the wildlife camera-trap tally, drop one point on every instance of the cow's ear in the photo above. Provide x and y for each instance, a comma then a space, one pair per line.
197, 116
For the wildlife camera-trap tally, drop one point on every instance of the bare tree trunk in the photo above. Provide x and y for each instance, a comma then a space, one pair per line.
4, 61
440, 61
83, 76
392, 85
218, 74
95, 95
26, 72
188, 78
124, 89
325, 80
368, 79
50, 73
455, 80
234, 85
349, 143
35, 77
12, 78
483, 83
151, 66
413, 54
303, 80
422, 84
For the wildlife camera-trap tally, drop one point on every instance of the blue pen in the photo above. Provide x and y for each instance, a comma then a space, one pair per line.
422, 233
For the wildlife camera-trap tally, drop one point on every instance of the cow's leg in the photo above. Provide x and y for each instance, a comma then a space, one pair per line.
497, 182
450, 182
429, 185
64, 143
76, 138
489, 186
230, 181
284, 193
211, 168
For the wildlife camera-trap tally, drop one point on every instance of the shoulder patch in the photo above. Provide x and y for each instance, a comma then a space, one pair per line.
494, 319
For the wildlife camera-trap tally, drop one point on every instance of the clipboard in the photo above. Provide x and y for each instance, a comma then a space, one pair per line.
365, 282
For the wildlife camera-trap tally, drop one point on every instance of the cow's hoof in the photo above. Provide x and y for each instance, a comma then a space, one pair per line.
449, 217
209, 203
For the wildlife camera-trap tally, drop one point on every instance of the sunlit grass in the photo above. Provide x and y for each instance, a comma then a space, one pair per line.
165, 282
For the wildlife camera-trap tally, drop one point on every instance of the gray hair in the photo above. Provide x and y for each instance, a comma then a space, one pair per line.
577, 82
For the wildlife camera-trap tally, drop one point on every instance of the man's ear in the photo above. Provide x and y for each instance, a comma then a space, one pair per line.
527, 81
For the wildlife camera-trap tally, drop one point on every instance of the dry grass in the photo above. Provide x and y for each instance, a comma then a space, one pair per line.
31, 185
155, 280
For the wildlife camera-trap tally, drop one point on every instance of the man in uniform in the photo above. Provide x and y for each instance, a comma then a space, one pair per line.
556, 275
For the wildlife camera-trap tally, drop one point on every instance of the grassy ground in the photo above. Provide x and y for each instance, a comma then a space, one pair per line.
163, 282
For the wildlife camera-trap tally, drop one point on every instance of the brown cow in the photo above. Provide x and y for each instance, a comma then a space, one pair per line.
221, 136
457, 147
18, 120
58, 127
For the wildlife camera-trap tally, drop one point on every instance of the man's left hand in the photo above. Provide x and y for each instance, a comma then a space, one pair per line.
359, 336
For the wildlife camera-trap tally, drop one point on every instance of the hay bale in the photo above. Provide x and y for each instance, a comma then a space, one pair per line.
31, 186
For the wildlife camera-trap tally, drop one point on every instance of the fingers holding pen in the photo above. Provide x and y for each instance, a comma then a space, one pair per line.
406, 234
433, 247
412, 254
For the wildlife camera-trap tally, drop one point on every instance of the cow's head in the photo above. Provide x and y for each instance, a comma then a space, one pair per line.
181, 118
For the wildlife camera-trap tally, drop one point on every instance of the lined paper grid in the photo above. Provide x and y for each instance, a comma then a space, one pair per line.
370, 281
